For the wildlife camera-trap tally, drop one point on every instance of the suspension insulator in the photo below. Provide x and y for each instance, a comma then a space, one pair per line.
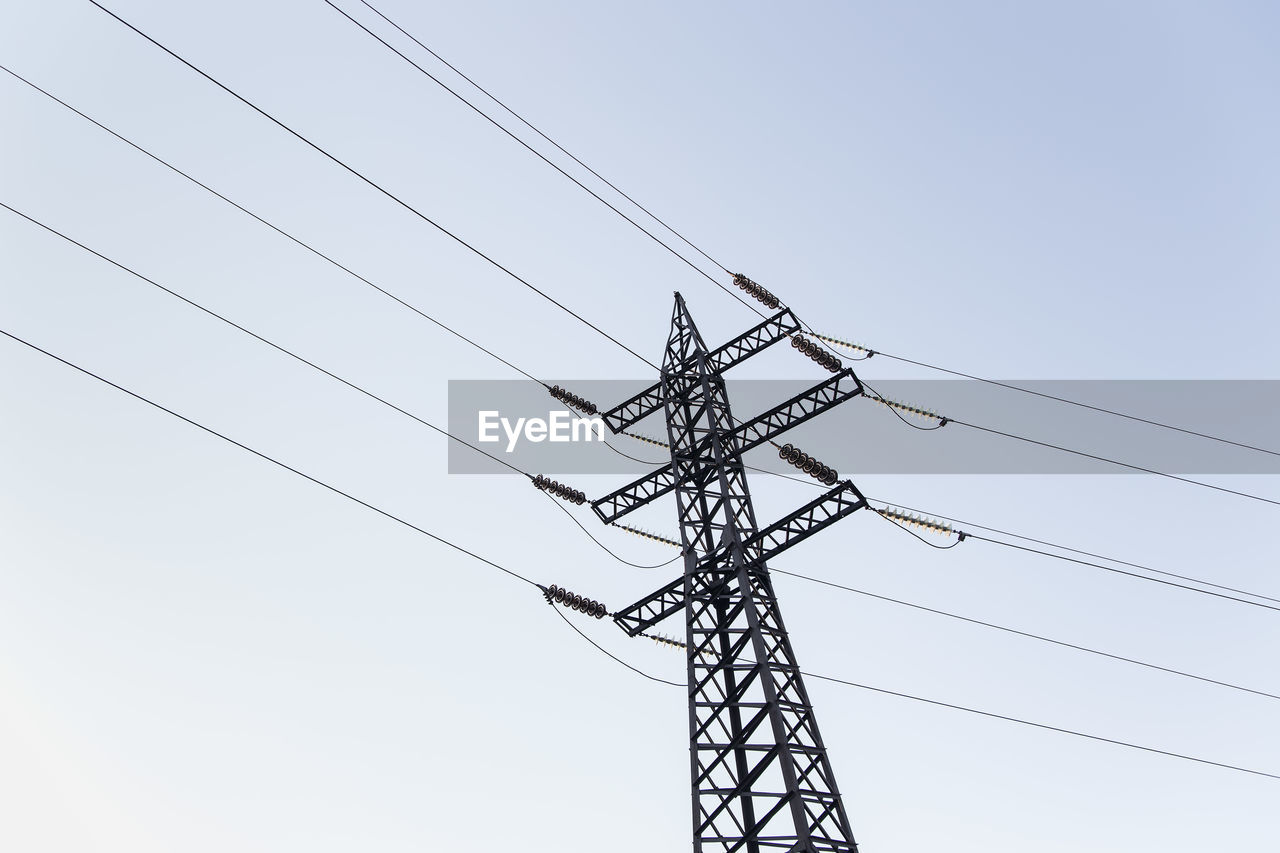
806, 463
817, 353
911, 520
664, 640
569, 398
647, 535
845, 344
559, 595
911, 410
755, 291
560, 490
638, 437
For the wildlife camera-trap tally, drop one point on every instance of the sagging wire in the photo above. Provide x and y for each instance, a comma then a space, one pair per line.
897, 409
610, 654
605, 547
1101, 557
626, 455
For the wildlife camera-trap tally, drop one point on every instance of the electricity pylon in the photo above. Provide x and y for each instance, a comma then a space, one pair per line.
760, 775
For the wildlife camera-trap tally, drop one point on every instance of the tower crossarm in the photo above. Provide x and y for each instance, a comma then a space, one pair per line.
635, 494
843, 500
669, 600
825, 395
754, 340
652, 609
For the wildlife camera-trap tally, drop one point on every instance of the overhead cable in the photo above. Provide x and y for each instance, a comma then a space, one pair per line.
378, 187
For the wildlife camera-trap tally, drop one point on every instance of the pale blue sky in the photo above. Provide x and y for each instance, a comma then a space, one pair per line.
200, 652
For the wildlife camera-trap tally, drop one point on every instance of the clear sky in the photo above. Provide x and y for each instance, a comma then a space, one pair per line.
201, 652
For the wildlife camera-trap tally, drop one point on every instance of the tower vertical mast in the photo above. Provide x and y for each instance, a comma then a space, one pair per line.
760, 775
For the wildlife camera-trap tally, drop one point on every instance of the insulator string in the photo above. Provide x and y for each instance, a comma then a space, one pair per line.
552, 487
817, 353
559, 595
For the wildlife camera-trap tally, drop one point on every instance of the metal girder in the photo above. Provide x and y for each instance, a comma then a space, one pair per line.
800, 408
808, 404
843, 500
754, 340
760, 776
658, 605
651, 609
634, 495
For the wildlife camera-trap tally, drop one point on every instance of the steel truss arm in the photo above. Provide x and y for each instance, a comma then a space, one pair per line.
825, 395
739, 349
843, 500
800, 408
652, 609
634, 495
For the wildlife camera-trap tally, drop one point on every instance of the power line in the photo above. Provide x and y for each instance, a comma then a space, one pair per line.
319, 254
272, 460
1077, 551
1128, 465
943, 421
1025, 634
529, 147
1010, 386
686, 241
1123, 572
1079, 404
1044, 726
990, 714
557, 145
533, 583
603, 546
812, 483
258, 337
325, 485
570, 311
610, 654
270, 225
377, 187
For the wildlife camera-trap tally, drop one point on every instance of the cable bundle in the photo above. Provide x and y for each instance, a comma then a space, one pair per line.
559, 490
845, 344
756, 291
569, 398
560, 595
911, 410
647, 535
920, 521
817, 353
809, 465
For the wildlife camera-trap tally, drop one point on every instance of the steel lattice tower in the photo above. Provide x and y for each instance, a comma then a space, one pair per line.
761, 779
